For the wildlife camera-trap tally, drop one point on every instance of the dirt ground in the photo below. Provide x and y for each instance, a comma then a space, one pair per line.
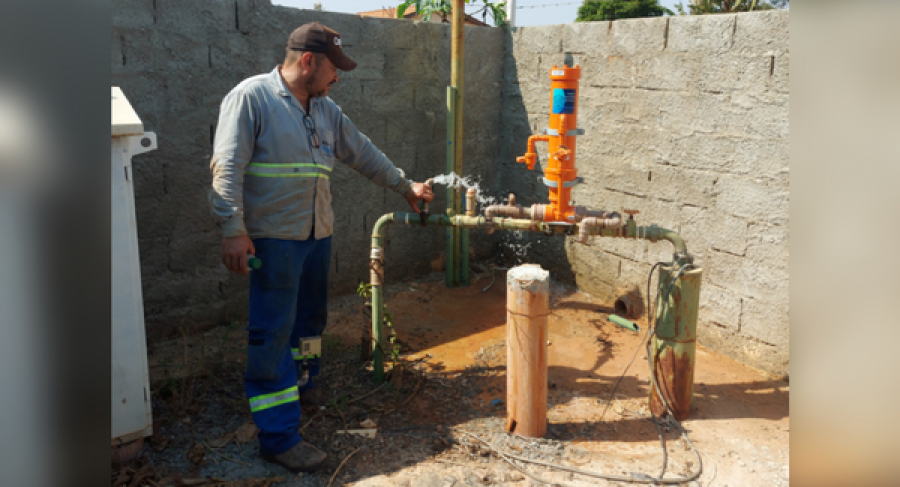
447, 398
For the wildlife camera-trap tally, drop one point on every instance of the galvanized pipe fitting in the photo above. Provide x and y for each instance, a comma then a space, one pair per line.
604, 220
471, 198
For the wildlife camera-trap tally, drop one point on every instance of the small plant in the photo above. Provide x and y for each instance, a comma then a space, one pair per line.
365, 290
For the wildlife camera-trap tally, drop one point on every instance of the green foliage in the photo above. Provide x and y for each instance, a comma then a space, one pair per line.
444, 8
706, 7
594, 10
365, 290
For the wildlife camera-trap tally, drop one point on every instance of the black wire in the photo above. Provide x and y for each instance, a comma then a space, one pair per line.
638, 349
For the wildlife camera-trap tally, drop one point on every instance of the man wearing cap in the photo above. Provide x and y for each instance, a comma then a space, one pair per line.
277, 140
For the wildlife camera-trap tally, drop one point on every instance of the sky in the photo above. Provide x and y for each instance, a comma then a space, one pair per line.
545, 11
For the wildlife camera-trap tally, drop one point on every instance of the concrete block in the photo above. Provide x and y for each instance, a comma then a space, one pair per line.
233, 52
388, 96
431, 34
746, 198
698, 35
133, 14
386, 34
631, 36
199, 19
626, 178
733, 73
762, 31
537, 39
193, 251
655, 71
768, 122
720, 306
155, 51
347, 94
370, 64
626, 248
771, 359
748, 278
768, 244
613, 70
761, 158
116, 54
711, 228
584, 38
684, 186
780, 73
766, 321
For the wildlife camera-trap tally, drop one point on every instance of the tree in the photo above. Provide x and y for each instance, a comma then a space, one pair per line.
444, 9
593, 10
703, 7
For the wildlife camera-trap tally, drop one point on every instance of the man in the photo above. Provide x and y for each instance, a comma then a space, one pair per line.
276, 143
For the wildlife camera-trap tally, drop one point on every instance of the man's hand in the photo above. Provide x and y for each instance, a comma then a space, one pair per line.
418, 191
234, 253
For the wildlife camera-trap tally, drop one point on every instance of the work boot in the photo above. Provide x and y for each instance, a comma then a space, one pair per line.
303, 457
313, 398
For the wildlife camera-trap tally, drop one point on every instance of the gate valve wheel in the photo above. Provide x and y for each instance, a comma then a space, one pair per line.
631, 213
562, 154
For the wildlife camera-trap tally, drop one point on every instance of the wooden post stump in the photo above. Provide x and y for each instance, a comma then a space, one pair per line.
527, 307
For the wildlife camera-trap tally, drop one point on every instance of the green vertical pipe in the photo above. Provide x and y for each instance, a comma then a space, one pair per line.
673, 347
377, 289
377, 334
450, 251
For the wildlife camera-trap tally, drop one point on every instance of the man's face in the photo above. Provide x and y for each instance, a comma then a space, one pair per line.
324, 75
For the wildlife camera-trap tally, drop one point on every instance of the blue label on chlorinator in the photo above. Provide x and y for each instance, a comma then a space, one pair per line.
563, 101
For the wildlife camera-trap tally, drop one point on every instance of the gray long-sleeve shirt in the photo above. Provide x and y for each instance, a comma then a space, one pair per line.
268, 178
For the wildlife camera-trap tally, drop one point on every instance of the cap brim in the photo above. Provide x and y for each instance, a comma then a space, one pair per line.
342, 61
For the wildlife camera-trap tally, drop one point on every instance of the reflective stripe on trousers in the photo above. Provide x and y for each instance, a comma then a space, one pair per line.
267, 401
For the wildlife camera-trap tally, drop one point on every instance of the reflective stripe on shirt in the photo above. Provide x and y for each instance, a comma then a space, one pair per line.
276, 170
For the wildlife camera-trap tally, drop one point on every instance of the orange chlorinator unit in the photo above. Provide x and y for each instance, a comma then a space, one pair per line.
560, 174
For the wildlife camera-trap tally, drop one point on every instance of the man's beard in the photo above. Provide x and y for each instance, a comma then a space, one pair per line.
311, 81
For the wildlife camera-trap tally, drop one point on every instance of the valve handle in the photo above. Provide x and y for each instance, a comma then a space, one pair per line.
631, 213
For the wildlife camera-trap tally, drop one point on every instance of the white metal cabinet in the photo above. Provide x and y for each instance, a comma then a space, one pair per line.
131, 412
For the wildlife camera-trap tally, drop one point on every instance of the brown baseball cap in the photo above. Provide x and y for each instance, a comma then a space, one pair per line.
315, 37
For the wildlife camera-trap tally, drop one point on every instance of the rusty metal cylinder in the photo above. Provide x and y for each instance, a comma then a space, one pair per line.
527, 307
672, 349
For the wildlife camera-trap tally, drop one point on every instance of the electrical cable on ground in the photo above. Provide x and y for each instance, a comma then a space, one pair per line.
669, 420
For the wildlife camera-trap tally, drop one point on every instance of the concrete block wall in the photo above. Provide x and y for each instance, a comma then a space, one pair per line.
686, 120
175, 61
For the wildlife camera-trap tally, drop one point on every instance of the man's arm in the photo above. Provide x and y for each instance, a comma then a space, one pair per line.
357, 151
232, 151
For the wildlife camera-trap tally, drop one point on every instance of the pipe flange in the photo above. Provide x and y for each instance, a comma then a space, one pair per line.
567, 184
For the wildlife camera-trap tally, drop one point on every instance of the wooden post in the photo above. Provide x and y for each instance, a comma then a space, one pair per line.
527, 306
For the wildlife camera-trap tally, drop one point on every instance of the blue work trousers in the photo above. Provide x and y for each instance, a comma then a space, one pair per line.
288, 300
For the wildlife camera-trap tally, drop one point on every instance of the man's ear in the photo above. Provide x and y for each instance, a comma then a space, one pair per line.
308, 61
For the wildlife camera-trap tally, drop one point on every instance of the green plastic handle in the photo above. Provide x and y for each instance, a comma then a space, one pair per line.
623, 322
253, 262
